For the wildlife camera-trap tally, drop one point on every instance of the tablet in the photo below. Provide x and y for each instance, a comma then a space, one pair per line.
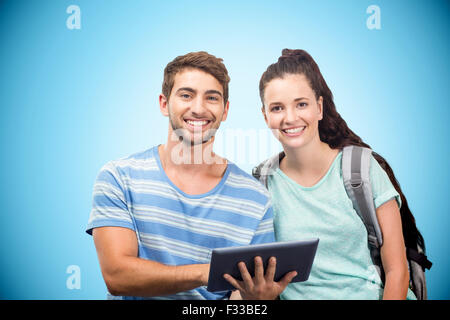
291, 256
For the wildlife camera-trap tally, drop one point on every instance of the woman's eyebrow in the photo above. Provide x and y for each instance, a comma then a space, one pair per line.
275, 103
295, 100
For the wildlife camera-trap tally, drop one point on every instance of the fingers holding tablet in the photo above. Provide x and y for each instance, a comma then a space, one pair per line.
261, 286
264, 267
271, 268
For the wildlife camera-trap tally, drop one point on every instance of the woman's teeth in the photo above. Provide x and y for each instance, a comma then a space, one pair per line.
294, 130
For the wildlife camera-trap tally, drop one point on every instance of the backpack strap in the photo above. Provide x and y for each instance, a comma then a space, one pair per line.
356, 175
267, 167
419, 258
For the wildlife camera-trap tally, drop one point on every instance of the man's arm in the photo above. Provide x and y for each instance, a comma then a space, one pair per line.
127, 275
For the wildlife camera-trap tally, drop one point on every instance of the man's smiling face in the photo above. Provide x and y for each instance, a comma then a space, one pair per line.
196, 106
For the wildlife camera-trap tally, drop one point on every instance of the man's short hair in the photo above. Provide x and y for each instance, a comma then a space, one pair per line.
196, 60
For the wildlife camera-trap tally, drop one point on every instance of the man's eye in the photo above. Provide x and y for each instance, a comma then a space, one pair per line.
185, 96
212, 98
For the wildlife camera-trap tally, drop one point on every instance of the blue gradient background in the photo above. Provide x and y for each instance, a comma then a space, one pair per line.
73, 99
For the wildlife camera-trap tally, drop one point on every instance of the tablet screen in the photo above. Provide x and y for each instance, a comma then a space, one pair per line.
291, 256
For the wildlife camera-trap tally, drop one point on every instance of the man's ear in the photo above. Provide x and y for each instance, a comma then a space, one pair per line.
163, 105
225, 111
320, 105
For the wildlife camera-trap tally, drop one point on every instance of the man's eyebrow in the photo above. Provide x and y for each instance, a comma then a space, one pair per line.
195, 91
186, 89
214, 92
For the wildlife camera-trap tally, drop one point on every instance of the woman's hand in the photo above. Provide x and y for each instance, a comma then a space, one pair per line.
260, 287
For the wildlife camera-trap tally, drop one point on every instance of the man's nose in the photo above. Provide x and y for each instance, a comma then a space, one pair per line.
198, 106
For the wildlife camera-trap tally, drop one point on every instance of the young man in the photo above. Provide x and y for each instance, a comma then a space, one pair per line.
158, 214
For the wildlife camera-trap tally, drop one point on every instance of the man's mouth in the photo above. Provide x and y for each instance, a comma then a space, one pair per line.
294, 131
197, 124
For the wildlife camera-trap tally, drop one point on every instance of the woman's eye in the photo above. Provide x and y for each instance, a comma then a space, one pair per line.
275, 109
302, 104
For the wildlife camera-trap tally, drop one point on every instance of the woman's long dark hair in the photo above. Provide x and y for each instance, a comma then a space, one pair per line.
333, 130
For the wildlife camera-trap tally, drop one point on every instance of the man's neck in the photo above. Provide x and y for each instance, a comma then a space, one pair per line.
192, 177
182, 157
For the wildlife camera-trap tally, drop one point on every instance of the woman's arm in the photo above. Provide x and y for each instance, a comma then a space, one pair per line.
393, 253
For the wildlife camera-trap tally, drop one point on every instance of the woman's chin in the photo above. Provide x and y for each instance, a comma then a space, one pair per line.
292, 143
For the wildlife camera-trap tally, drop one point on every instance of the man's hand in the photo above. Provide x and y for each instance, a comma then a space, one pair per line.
260, 287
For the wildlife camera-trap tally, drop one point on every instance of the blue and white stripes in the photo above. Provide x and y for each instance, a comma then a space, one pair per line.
176, 228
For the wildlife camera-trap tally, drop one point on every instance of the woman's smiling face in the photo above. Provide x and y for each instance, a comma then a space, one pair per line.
292, 111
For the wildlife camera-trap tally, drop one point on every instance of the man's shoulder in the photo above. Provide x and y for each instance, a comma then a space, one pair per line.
138, 161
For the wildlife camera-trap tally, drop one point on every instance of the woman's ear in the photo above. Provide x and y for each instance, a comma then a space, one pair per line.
263, 110
320, 107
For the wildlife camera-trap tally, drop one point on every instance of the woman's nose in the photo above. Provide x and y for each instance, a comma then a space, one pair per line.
291, 115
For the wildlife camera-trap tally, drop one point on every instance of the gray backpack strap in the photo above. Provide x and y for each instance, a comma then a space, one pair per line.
417, 275
267, 167
356, 175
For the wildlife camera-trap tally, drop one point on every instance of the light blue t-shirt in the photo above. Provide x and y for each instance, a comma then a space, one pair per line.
175, 228
342, 268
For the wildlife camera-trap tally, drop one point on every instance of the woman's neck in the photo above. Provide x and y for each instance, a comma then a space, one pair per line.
308, 163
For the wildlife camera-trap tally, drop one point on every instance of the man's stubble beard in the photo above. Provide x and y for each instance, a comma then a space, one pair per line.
184, 135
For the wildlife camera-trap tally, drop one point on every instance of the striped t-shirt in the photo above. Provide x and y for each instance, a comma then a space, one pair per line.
175, 228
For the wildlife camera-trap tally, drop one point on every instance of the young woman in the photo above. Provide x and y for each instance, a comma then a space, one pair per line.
308, 193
